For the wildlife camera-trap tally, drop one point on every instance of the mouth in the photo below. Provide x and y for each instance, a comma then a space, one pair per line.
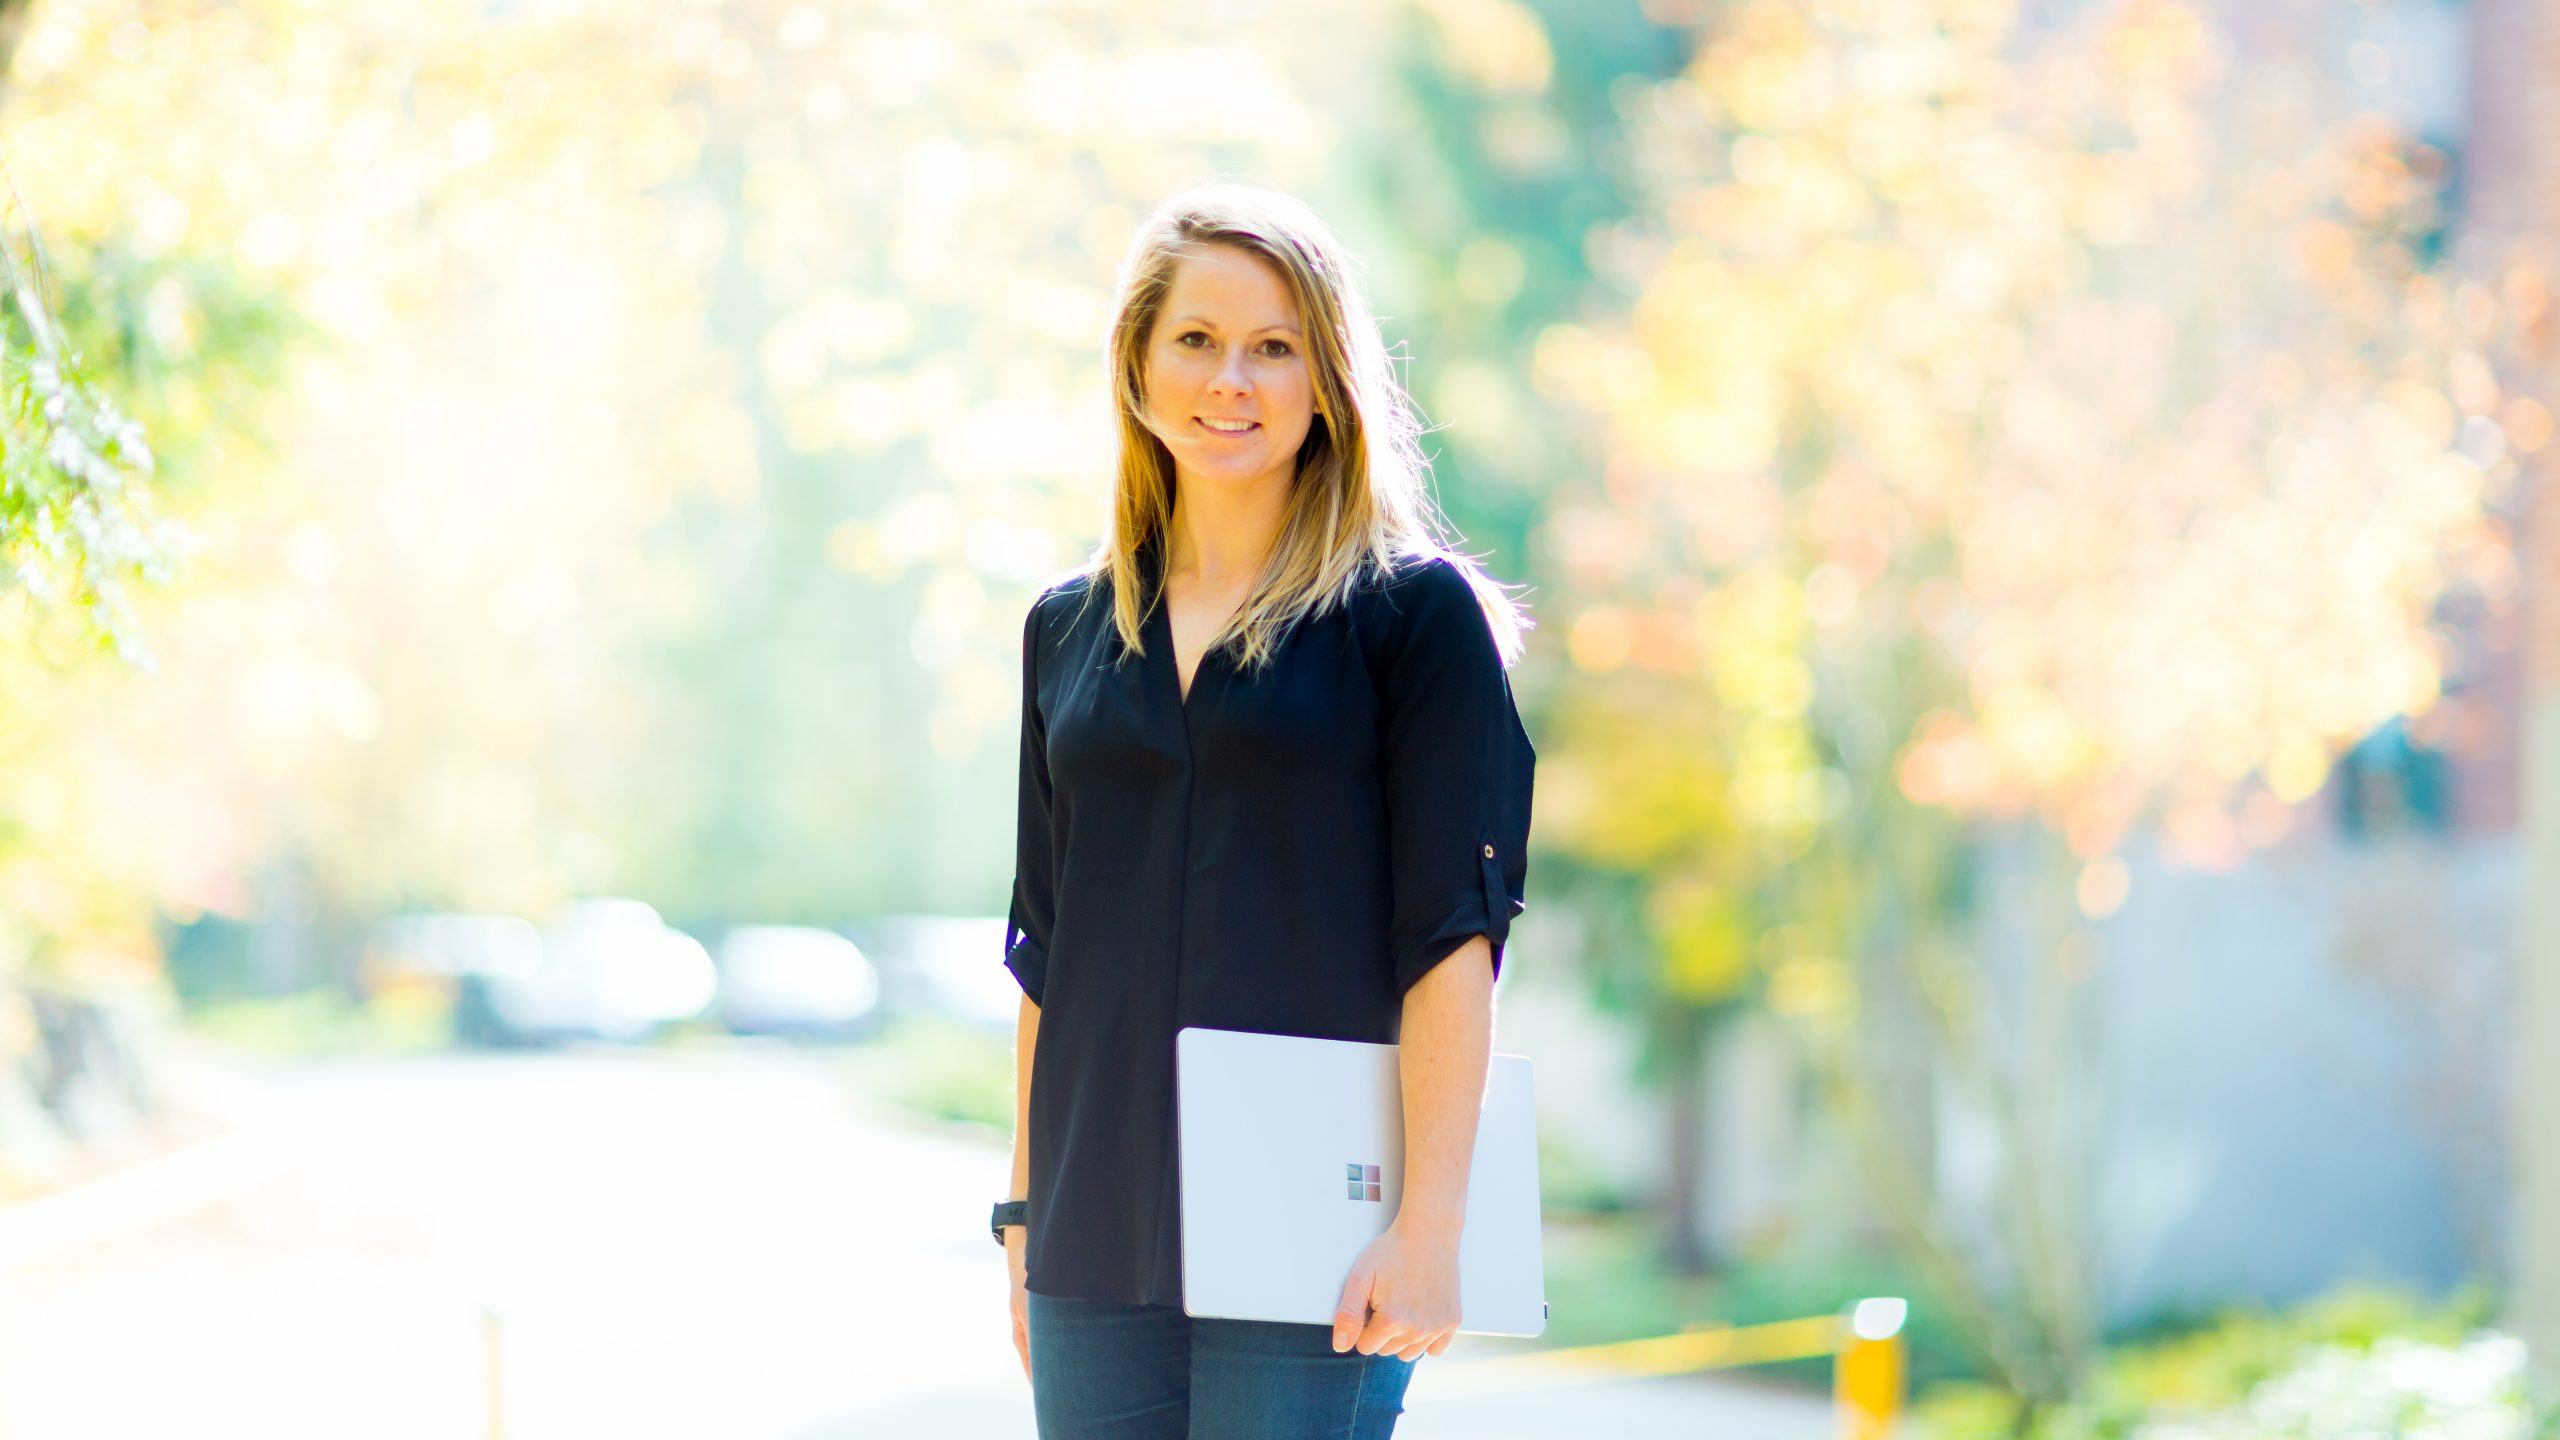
1226, 427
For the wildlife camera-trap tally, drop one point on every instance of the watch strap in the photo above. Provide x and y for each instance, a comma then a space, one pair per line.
1009, 1212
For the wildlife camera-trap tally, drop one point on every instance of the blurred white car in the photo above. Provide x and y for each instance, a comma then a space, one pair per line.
946, 965
610, 969
794, 980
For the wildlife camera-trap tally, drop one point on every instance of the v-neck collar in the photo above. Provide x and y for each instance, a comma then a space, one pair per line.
1159, 619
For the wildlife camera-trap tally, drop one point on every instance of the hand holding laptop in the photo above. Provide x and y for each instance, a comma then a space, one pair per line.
1401, 1297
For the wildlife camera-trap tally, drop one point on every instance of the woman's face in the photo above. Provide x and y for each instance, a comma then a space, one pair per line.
1228, 386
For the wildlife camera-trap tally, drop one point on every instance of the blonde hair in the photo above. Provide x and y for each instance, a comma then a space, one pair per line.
1360, 497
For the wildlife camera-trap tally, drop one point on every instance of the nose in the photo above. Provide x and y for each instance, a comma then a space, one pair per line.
1230, 378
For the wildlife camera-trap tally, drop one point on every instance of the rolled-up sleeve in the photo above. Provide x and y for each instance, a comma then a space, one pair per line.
1458, 772
1035, 890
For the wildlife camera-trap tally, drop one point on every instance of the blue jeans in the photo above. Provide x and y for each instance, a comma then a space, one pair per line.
1103, 1370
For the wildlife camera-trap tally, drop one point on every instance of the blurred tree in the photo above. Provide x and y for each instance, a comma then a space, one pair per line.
696, 398
101, 344
2019, 436
104, 339
1510, 117
182, 347
75, 513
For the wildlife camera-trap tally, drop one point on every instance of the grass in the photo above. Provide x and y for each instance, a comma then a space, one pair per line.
956, 1073
1606, 1281
323, 1022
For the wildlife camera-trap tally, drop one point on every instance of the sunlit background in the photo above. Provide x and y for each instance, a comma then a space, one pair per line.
518, 520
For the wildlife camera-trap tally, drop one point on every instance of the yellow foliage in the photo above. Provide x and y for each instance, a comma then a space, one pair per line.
1929, 292
1706, 938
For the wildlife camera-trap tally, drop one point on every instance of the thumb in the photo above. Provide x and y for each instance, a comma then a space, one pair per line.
1353, 1312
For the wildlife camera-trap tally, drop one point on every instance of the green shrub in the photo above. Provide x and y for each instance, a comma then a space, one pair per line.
2359, 1363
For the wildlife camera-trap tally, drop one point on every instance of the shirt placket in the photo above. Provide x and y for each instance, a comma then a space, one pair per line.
1188, 715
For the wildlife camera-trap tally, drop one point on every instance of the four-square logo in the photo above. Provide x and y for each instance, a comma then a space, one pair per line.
1364, 1181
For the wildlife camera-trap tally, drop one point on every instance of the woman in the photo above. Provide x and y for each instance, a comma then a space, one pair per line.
1272, 780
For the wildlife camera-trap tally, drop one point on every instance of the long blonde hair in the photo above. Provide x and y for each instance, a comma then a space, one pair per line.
1360, 497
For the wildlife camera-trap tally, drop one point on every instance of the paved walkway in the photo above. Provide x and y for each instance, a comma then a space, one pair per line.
697, 1244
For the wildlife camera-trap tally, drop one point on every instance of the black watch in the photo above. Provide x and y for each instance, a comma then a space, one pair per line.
1009, 1212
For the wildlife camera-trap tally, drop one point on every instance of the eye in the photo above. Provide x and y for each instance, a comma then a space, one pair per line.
1277, 349
1187, 336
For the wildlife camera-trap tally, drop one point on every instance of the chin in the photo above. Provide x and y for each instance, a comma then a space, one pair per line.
1231, 469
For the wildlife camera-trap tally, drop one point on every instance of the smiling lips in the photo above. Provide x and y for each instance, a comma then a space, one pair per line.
1228, 427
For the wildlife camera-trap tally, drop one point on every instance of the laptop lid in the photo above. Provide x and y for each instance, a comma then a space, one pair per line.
1292, 1159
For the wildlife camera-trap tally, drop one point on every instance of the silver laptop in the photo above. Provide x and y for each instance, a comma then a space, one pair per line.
1292, 1162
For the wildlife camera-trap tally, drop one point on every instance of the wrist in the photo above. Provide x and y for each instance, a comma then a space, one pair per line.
1429, 1224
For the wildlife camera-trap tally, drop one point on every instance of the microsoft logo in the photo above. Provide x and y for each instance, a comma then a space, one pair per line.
1364, 1181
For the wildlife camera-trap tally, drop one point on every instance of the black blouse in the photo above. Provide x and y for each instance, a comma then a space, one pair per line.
1287, 851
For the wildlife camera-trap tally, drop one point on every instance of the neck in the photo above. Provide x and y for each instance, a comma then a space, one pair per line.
1222, 534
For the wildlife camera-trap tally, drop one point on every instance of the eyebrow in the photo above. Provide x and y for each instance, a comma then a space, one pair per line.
1205, 320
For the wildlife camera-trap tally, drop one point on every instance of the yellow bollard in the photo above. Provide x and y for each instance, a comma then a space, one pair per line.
1867, 1377
489, 1366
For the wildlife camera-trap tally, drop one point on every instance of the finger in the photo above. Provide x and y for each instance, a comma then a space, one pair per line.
1414, 1342
1352, 1314
1382, 1334
1441, 1345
